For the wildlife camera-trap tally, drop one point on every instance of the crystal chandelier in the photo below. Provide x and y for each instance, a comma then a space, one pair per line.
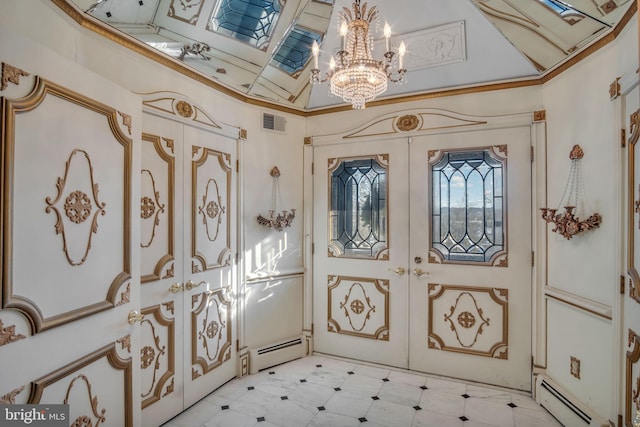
354, 75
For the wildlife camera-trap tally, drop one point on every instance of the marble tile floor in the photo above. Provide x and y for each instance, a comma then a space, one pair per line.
325, 391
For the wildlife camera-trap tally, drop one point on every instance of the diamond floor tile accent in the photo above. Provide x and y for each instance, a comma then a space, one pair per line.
325, 391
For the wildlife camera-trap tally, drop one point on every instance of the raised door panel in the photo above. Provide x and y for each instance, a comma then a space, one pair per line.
69, 253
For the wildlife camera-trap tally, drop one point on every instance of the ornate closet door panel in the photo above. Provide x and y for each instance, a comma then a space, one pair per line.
67, 196
97, 388
210, 234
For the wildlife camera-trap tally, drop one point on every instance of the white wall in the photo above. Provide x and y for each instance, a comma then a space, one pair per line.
586, 270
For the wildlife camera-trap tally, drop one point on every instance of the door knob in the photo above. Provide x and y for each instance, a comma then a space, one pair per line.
134, 317
175, 288
399, 271
418, 272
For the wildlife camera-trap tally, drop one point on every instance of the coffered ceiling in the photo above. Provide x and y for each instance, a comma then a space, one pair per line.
261, 48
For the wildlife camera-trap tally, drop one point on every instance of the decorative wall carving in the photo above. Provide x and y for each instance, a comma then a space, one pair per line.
10, 74
425, 120
126, 121
76, 205
10, 398
187, 11
170, 105
440, 45
211, 331
467, 319
358, 306
8, 334
97, 416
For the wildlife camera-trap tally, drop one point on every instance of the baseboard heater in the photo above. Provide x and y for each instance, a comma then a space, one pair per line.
562, 407
275, 354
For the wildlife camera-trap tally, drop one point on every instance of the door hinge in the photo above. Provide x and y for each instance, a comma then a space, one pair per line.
312, 168
532, 153
533, 258
622, 285
313, 249
237, 166
237, 345
312, 328
623, 138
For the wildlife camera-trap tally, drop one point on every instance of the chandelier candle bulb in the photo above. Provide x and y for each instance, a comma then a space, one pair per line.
387, 36
401, 51
315, 49
343, 33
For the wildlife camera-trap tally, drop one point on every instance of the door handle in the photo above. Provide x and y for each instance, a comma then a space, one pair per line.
418, 272
190, 284
399, 271
175, 288
134, 317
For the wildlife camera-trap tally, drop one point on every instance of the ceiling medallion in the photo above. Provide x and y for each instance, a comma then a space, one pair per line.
354, 75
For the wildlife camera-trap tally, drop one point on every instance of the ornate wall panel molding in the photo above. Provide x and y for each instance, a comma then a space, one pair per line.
96, 387
358, 306
633, 203
632, 378
419, 121
157, 355
157, 210
187, 11
8, 334
176, 107
211, 209
467, 319
211, 331
10, 74
81, 198
10, 398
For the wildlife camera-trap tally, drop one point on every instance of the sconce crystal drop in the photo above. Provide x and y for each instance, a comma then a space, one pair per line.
566, 223
274, 219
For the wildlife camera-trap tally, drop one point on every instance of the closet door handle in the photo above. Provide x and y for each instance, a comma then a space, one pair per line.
134, 317
190, 284
175, 288
399, 271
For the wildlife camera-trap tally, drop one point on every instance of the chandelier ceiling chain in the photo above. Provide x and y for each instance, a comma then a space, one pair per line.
354, 75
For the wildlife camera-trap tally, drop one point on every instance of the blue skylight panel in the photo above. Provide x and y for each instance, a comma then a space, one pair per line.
251, 21
295, 50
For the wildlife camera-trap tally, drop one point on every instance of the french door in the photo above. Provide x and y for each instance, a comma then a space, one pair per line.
422, 253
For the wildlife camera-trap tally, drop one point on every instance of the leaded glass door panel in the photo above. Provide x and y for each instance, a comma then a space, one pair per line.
360, 235
470, 247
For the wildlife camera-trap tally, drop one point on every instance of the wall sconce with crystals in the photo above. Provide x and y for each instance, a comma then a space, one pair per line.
566, 222
274, 219
354, 75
